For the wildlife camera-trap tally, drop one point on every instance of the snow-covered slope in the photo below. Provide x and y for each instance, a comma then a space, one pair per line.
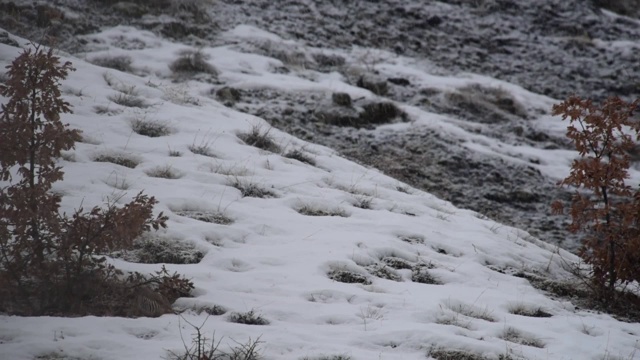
421, 275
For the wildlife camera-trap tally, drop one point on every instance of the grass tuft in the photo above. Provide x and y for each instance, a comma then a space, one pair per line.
158, 249
175, 153
444, 354
202, 148
383, 272
128, 100
248, 318
349, 277
516, 336
119, 62
310, 210
125, 160
213, 217
164, 172
471, 311
298, 154
420, 274
150, 128
192, 62
262, 140
250, 189
328, 357
106, 110
527, 310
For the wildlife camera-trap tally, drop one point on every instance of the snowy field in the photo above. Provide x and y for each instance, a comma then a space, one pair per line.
423, 275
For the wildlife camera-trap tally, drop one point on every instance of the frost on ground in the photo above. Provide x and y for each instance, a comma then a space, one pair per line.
315, 255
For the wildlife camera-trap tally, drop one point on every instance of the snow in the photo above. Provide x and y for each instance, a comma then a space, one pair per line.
275, 261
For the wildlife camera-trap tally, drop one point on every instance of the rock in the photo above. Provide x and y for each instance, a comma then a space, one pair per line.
341, 99
376, 86
6, 39
399, 81
130, 9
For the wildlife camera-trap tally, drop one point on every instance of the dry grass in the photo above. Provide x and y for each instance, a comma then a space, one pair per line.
471, 310
311, 210
445, 354
214, 217
128, 100
260, 139
527, 310
250, 189
150, 128
120, 62
248, 318
164, 172
121, 159
516, 336
300, 155
106, 110
192, 62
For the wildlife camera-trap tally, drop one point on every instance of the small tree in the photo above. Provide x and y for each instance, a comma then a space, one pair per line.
604, 208
51, 263
32, 137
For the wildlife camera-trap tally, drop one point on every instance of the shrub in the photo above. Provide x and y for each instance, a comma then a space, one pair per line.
607, 212
203, 348
192, 62
53, 264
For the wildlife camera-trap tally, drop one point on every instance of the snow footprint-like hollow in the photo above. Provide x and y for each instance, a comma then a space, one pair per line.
143, 333
411, 238
234, 265
330, 297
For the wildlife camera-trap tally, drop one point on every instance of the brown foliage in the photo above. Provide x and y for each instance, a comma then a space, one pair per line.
50, 263
604, 208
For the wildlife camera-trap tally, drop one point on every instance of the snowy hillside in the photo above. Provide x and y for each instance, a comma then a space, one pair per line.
339, 260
